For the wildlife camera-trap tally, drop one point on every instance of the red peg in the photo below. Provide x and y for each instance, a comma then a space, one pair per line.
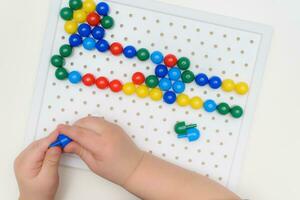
102, 83
115, 86
138, 78
116, 48
170, 60
88, 79
93, 19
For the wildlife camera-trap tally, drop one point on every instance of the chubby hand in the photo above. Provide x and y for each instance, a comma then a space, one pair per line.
36, 170
104, 147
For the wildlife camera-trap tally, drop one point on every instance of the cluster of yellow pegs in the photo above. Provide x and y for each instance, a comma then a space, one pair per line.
80, 16
229, 85
156, 94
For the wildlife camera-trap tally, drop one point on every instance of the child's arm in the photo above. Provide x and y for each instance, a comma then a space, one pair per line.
110, 153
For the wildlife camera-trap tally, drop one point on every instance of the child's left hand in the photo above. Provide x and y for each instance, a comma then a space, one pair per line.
36, 170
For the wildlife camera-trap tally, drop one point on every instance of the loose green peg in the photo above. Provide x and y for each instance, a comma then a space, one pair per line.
181, 127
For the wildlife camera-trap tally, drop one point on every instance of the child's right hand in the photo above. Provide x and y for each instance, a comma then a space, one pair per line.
104, 147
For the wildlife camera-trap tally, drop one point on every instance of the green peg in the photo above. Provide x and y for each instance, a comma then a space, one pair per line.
181, 127
107, 22
143, 54
183, 63
66, 13
223, 108
236, 111
65, 50
152, 81
57, 61
75, 4
61, 73
187, 76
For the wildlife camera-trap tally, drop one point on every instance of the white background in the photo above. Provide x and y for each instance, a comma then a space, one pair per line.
272, 162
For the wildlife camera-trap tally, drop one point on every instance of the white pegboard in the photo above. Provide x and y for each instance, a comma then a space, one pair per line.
216, 45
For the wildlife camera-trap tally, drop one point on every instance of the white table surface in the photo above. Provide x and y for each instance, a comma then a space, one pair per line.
272, 162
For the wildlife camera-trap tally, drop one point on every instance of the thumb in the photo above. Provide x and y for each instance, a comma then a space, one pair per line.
51, 161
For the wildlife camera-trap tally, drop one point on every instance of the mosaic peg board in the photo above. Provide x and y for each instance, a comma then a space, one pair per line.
216, 45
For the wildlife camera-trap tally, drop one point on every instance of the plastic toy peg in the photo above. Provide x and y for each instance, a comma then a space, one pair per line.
215, 82
89, 6
116, 48
152, 81
65, 50
129, 52
115, 86
157, 57
61, 141
74, 77
236, 111
57, 61
170, 60
201, 79
161, 71
156, 94
79, 16
88, 79
61, 73
169, 97
138, 78
143, 54
241, 88
102, 45
75, 4
165, 84
174, 74
181, 127
102, 8
98, 32
187, 76
183, 63
75, 40
93, 19
129, 88
183, 100
102, 82
192, 135
196, 103
210, 106
107, 22
71, 27
178, 87
223, 108
228, 85
66, 13
84, 30
89, 43
142, 91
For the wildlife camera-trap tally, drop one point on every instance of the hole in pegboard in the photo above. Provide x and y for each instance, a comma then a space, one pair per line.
144, 18
53, 119
157, 21
117, 12
171, 24
224, 36
115, 121
62, 110
211, 33
251, 41
228, 49
142, 126
93, 92
49, 106
146, 139
175, 37
53, 84
71, 99
63, 37
148, 31
172, 145
121, 25
98, 105
130, 15
125, 38
198, 30
202, 43
184, 26
134, 28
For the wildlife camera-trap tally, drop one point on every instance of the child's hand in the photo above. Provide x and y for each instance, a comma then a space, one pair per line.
36, 170
104, 147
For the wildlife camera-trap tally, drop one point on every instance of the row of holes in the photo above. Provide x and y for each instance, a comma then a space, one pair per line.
171, 24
